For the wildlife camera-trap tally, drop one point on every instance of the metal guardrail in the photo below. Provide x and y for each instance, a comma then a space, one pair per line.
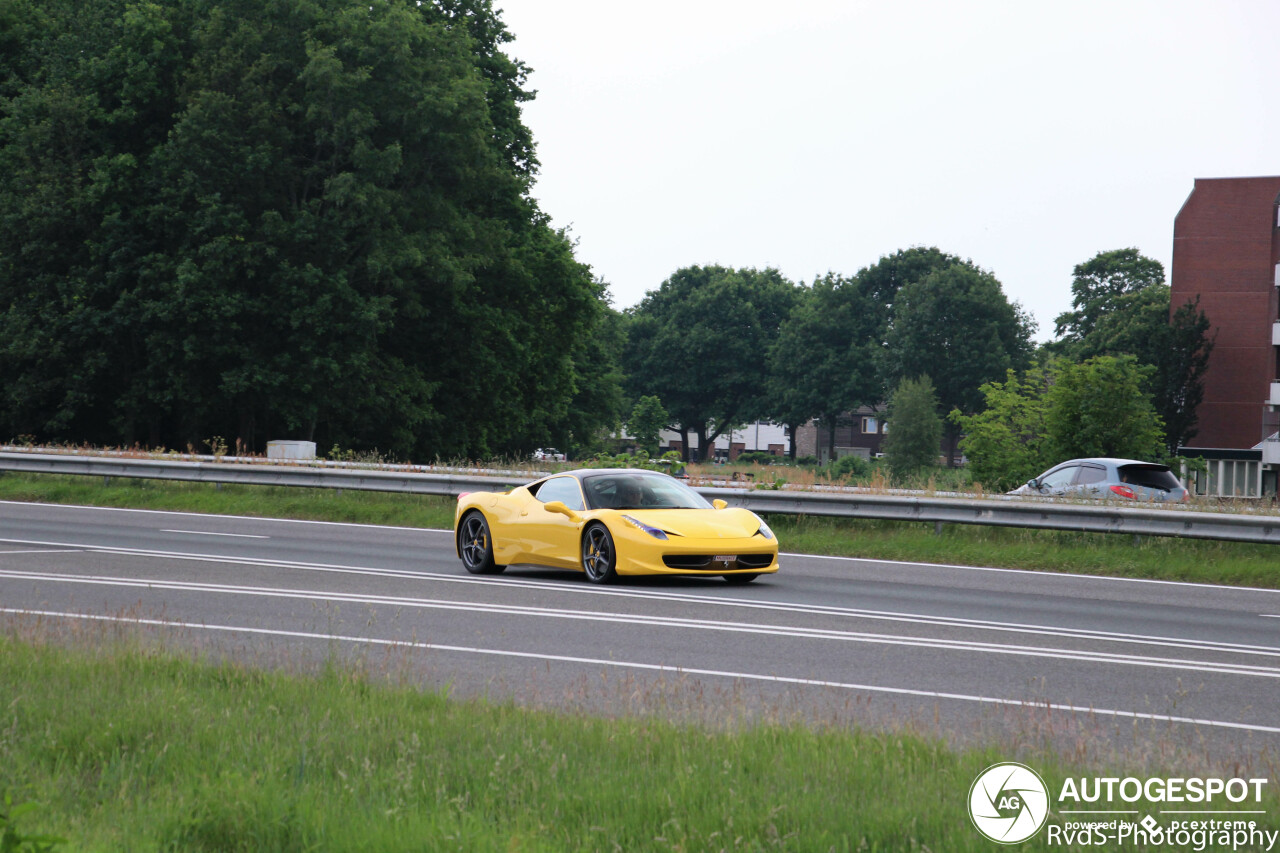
1015, 512
1000, 511
315, 476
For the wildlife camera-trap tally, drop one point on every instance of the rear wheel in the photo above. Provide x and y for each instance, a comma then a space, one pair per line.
475, 545
599, 558
740, 579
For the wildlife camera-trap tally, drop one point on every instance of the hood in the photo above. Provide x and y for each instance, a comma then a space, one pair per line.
730, 523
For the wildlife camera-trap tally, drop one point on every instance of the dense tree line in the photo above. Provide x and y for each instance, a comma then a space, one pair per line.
257, 218
1123, 376
721, 347
313, 219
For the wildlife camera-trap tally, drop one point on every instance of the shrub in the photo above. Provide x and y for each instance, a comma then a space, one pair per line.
852, 466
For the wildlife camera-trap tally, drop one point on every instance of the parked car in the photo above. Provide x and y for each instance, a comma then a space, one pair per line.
608, 522
548, 454
1129, 479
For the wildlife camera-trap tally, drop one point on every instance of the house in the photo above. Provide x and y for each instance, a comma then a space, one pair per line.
759, 436
858, 433
1226, 251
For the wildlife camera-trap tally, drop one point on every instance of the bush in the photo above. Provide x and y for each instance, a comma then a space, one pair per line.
669, 462
851, 466
759, 457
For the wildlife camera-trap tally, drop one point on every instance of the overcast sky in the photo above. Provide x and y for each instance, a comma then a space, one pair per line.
820, 136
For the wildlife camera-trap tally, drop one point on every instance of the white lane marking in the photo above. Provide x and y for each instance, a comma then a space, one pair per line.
827, 610
675, 670
46, 551
207, 533
793, 632
255, 518
1034, 573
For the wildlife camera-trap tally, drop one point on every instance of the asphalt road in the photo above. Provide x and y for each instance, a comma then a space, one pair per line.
971, 654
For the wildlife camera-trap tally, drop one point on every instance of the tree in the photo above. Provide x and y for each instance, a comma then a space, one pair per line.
957, 327
700, 343
826, 361
597, 405
247, 219
1099, 408
914, 428
648, 419
1067, 411
882, 280
1179, 376
1122, 307
1005, 441
1097, 286
823, 360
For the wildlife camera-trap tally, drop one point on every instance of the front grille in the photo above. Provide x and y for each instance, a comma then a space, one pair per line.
705, 562
687, 561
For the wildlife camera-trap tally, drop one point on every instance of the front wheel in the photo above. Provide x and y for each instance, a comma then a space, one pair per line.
599, 558
475, 545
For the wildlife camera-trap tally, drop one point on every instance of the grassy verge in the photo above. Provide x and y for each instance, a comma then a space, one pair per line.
183, 754
1100, 554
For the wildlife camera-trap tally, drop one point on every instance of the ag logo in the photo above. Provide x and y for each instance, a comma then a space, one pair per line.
1008, 802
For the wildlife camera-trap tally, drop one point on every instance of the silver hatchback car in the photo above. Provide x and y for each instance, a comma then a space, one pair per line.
1128, 479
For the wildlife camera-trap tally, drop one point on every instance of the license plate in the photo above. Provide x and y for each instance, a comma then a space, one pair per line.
729, 559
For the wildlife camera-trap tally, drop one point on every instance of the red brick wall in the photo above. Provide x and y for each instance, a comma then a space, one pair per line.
1225, 249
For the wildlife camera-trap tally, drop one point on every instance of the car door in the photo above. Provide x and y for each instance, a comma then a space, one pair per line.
1059, 480
551, 539
1091, 481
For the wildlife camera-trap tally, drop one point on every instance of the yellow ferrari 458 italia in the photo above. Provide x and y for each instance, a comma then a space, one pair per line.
608, 522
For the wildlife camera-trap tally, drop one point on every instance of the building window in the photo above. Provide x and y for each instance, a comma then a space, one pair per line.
869, 426
1250, 476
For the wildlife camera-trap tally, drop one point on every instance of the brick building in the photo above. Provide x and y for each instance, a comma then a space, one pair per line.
1226, 250
859, 433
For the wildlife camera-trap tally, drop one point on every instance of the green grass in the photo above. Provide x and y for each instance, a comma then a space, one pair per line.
1099, 554
126, 747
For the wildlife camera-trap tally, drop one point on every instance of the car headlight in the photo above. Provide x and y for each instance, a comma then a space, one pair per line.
764, 530
647, 528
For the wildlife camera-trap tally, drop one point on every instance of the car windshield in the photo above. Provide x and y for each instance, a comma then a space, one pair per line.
640, 491
1149, 476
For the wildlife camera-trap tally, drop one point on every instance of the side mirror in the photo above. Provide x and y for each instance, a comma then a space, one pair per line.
1034, 483
719, 504
559, 508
